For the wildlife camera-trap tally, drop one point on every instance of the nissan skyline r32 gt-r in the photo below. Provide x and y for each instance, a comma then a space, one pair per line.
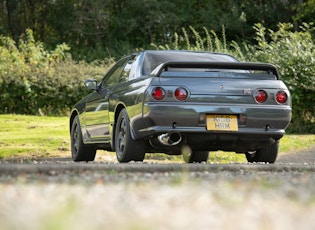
182, 102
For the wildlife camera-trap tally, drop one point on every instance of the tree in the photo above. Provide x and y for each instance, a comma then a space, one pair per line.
95, 29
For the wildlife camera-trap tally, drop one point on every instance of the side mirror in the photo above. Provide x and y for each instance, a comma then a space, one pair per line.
90, 84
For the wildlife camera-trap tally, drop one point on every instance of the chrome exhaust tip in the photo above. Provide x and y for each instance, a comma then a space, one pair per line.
170, 138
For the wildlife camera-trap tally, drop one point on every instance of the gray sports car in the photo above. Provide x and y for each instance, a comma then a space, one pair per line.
182, 102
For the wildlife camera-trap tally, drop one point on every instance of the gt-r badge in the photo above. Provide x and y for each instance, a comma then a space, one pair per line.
247, 92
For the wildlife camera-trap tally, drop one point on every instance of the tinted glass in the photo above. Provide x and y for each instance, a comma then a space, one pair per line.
113, 76
153, 59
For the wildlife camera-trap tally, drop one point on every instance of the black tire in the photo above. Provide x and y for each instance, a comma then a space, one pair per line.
80, 151
267, 154
196, 157
126, 148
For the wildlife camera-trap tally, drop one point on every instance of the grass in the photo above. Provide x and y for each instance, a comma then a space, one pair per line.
34, 136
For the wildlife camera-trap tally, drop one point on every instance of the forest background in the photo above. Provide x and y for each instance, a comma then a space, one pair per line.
47, 47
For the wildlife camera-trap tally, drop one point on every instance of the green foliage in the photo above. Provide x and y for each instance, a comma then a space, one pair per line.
294, 54
98, 29
207, 40
34, 80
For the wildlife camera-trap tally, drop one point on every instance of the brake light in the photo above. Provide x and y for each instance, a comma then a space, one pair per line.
281, 97
181, 94
261, 96
158, 93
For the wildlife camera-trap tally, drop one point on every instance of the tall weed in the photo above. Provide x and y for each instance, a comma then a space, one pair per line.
206, 40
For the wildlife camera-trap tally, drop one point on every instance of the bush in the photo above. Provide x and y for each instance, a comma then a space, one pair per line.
36, 81
294, 54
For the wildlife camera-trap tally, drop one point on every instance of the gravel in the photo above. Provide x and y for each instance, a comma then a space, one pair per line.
60, 194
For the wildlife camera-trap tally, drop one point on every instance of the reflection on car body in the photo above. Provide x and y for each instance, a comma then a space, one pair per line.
182, 102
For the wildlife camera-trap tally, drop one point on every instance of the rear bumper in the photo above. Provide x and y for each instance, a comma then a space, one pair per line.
243, 140
236, 142
189, 121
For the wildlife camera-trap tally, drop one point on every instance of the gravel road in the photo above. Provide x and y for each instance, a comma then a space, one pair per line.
61, 194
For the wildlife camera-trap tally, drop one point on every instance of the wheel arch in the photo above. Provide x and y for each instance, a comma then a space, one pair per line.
74, 113
118, 109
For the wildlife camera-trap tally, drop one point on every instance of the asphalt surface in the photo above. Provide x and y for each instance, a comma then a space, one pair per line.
293, 161
57, 193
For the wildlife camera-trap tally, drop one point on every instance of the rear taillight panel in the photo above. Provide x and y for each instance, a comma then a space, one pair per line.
281, 97
260, 96
271, 96
181, 94
170, 93
158, 93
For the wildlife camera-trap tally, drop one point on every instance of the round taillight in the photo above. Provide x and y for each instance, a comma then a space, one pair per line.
281, 97
181, 94
261, 96
158, 93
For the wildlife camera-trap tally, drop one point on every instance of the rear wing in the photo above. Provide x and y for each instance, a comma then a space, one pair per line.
269, 68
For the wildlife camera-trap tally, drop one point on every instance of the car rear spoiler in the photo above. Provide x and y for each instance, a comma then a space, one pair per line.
269, 68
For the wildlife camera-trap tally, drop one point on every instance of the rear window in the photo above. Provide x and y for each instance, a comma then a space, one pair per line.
153, 59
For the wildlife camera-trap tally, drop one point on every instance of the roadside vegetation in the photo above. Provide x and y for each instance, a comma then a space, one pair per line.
28, 137
292, 52
36, 81
42, 76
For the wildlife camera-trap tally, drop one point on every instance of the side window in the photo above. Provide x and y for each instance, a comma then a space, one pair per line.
113, 76
126, 71
134, 66
129, 69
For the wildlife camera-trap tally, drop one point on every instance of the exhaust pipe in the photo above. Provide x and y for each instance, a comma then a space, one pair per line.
170, 138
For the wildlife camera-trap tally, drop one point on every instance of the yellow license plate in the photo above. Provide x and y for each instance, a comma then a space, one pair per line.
222, 122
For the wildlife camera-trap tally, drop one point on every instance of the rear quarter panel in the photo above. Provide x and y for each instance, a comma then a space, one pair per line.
129, 95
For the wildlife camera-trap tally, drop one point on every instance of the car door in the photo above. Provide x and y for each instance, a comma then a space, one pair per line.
97, 106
